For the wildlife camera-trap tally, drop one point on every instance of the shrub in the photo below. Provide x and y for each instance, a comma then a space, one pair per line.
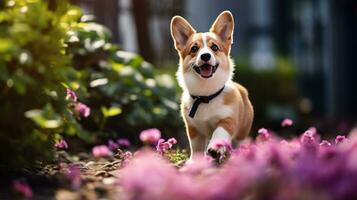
125, 93
46, 49
32, 66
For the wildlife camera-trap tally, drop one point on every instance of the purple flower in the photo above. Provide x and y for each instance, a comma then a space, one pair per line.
325, 143
198, 165
297, 168
112, 145
23, 188
163, 146
71, 95
150, 136
127, 155
340, 138
287, 122
61, 144
148, 176
101, 151
312, 130
172, 141
308, 138
264, 135
74, 175
82, 109
263, 131
124, 143
126, 158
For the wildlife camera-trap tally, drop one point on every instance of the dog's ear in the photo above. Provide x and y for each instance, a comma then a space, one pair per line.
181, 31
224, 26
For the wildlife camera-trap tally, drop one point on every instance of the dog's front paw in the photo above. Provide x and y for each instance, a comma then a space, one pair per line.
219, 150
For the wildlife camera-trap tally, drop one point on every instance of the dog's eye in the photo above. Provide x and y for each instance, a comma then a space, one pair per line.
214, 47
194, 49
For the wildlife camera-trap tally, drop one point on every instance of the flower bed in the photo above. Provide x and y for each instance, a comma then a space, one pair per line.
269, 168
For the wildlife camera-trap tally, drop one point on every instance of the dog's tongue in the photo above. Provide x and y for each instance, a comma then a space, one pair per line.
206, 70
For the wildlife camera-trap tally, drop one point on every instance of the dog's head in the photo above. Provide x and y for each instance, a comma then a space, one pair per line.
205, 64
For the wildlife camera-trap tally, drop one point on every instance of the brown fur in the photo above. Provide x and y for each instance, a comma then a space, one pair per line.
242, 119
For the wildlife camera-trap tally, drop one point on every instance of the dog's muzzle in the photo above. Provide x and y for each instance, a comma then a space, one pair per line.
206, 70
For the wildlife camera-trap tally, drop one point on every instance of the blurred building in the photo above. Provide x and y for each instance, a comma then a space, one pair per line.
317, 35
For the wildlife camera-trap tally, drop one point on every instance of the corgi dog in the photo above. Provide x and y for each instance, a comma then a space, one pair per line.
213, 107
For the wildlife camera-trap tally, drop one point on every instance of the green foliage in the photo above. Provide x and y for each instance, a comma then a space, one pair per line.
33, 63
45, 49
177, 157
126, 93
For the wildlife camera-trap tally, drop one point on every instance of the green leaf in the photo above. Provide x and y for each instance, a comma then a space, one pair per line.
38, 116
64, 85
110, 112
5, 45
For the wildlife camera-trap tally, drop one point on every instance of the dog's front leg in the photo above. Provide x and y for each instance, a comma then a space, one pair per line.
220, 143
197, 141
198, 144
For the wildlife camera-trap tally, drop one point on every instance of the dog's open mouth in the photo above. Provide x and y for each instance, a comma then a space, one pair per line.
206, 70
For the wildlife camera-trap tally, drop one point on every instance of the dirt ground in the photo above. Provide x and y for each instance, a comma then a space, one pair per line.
97, 178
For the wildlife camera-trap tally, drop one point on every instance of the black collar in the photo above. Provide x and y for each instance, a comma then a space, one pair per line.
202, 99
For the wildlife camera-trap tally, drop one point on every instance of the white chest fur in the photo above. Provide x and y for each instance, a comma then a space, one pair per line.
208, 114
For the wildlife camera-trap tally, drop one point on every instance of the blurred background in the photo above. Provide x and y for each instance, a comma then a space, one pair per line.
295, 57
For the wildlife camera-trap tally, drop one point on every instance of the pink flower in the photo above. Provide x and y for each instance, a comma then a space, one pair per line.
126, 158
310, 141
125, 143
23, 189
150, 136
112, 145
149, 176
82, 109
325, 143
307, 137
172, 141
101, 151
264, 135
263, 131
340, 139
197, 165
127, 155
287, 122
71, 95
313, 130
163, 146
61, 144
74, 175
294, 167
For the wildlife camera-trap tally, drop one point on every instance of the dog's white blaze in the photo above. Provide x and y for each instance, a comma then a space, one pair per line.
204, 39
219, 134
203, 50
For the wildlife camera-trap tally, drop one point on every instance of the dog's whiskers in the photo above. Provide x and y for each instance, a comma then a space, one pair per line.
191, 66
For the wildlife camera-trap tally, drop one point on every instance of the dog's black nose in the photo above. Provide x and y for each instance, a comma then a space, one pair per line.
205, 57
